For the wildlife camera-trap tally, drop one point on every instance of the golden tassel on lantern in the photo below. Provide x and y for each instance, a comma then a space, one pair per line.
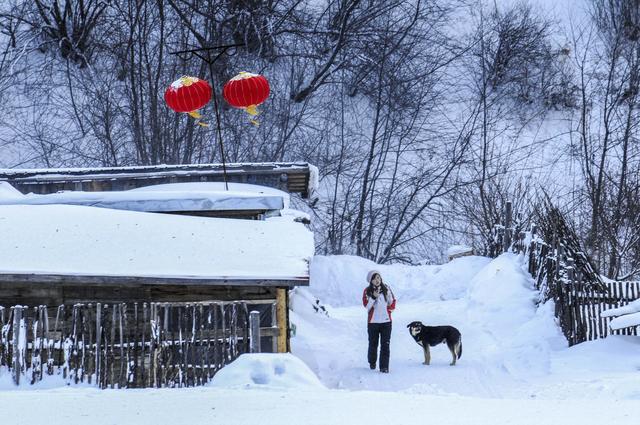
253, 111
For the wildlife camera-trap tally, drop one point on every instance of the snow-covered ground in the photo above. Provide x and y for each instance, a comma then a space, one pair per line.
511, 348
515, 368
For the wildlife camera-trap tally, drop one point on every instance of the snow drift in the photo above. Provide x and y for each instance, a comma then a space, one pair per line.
339, 280
266, 370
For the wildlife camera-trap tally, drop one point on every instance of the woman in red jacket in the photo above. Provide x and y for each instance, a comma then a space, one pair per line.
379, 301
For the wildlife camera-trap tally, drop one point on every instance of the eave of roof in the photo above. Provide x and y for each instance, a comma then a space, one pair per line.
96, 280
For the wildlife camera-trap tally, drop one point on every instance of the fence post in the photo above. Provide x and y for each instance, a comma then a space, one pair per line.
17, 352
254, 331
507, 227
98, 368
533, 267
559, 258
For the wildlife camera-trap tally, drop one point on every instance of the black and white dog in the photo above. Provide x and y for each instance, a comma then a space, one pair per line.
427, 336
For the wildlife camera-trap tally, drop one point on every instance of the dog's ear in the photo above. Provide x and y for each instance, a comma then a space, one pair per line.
409, 325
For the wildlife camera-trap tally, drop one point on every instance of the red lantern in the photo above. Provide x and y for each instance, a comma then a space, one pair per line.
188, 94
246, 91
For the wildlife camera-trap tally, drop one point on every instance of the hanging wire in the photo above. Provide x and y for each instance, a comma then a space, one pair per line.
187, 54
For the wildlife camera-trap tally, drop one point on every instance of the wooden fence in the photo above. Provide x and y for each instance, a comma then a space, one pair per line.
578, 303
132, 345
579, 308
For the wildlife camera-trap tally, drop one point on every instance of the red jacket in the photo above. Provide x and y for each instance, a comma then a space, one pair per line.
376, 308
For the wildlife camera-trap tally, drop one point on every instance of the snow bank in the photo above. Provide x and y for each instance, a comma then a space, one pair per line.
339, 280
502, 302
8, 192
266, 370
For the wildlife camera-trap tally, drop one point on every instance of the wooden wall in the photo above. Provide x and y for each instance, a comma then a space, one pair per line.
34, 294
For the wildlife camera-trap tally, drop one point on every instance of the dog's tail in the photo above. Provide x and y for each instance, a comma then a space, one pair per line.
460, 350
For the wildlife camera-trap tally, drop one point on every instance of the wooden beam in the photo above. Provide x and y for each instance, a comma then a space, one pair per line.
282, 319
97, 280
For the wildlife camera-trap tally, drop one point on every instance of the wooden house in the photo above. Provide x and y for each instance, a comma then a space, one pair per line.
101, 288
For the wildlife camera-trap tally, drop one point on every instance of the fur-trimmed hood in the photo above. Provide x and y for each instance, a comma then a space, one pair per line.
370, 275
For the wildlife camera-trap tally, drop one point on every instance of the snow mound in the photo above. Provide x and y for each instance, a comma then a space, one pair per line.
502, 302
267, 370
339, 280
9, 192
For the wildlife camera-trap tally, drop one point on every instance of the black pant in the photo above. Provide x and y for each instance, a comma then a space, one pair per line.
376, 330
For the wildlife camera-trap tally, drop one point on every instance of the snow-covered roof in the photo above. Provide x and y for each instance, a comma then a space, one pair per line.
68, 240
136, 169
209, 196
454, 250
294, 177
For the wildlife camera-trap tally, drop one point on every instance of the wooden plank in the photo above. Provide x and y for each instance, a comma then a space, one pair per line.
3, 342
282, 319
98, 348
152, 378
132, 380
254, 333
36, 350
16, 360
143, 355
112, 338
634, 296
216, 343
614, 303
593, 317
201, 379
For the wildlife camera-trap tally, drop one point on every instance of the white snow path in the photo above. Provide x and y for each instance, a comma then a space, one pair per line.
338, 353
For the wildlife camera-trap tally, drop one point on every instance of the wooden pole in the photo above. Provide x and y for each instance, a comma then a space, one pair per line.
16, 359
508, 226
281, 314
98, 367
254, 331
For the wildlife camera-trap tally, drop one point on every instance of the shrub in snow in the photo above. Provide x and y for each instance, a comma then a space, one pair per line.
267, 370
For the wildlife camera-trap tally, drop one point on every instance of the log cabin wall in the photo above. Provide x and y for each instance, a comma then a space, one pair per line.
34, 294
